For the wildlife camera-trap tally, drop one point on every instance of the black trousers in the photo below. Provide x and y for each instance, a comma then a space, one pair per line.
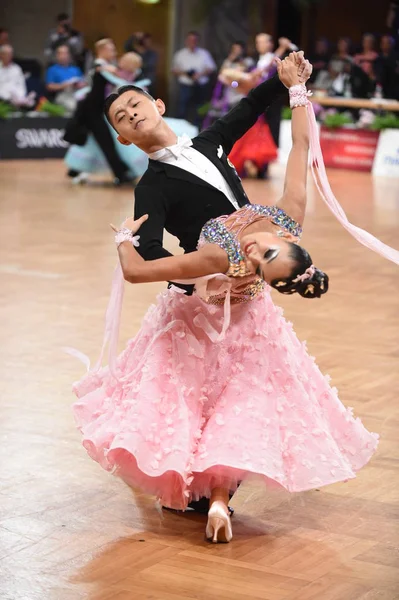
96, 124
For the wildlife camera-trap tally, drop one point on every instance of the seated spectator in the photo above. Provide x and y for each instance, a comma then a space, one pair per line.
393, 21
12, 80
335, 78
320, 58
192, 66
368, 54
4, 37
141, 43
363, 80
64, 35
387, 68
64, 78
342, 58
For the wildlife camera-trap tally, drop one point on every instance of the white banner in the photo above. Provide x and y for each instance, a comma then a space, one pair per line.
386, 160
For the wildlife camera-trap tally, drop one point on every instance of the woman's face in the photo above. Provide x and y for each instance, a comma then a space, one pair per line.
343, 46
368, 43
321, 47
268, 255
236, 51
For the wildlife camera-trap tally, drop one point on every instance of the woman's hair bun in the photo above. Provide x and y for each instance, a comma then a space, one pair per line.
313, 287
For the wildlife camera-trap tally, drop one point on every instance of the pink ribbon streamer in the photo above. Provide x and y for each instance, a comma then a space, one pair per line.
326, 193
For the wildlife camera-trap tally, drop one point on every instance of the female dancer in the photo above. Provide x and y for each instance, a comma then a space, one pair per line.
186, 411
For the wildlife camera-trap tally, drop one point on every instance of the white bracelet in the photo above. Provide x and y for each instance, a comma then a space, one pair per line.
126, 235
299, 95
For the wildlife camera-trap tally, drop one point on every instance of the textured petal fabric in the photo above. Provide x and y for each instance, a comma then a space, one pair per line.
188, 414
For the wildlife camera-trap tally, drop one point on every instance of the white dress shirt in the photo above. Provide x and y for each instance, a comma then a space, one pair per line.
199, 61
185, 157
12, 83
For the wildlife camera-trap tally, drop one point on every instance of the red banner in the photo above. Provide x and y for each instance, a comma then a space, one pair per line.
349, 148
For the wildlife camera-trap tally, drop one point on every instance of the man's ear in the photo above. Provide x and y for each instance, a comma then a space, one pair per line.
160, 106
122, 140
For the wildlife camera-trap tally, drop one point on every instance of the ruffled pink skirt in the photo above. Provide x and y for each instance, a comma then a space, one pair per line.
187, 414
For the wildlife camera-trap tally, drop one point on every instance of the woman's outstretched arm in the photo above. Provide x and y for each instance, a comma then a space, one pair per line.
293, 200
208, 260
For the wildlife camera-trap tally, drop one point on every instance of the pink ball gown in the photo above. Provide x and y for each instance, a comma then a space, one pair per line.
192, 408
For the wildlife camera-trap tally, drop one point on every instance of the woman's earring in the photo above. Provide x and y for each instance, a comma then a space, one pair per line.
280, 233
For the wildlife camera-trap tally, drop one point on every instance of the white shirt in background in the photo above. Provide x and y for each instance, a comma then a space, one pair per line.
12, 83
184, 156
199, 61
265, 61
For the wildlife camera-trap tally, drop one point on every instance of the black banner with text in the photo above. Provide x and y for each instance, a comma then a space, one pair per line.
38, 137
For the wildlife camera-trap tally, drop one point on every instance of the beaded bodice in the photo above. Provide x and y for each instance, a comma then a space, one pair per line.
225, 232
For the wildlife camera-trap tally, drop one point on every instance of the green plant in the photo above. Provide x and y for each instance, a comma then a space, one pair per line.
286, 113
333, 121
203, 110
388, 121
5, 110
52, 109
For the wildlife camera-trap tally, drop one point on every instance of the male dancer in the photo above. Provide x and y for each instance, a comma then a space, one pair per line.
187, 181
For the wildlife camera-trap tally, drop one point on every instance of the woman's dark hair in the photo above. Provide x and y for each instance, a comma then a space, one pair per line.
313, 287
125, 88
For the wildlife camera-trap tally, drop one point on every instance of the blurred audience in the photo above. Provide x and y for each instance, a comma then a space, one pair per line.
226, 95
393, 21
63, 78
4, 37
342, 59
141, 43
387, 67
12, 80
192, 66
366, 58
130, 66
320, 57
105, 54
64, 35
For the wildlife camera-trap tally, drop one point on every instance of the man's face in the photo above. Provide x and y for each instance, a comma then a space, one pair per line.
192, 41
63, 26
264, 43
4, 38
63, 56
109, 52
386, 43
136, 118
6, 55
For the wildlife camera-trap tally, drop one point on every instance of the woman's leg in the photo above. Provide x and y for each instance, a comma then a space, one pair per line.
220, 495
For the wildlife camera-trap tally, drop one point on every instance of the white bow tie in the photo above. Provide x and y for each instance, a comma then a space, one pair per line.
183, 142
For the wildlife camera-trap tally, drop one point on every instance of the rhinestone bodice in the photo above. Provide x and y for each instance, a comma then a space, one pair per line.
225, 232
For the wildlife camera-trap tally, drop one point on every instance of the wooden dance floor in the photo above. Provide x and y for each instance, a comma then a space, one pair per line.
69, 530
